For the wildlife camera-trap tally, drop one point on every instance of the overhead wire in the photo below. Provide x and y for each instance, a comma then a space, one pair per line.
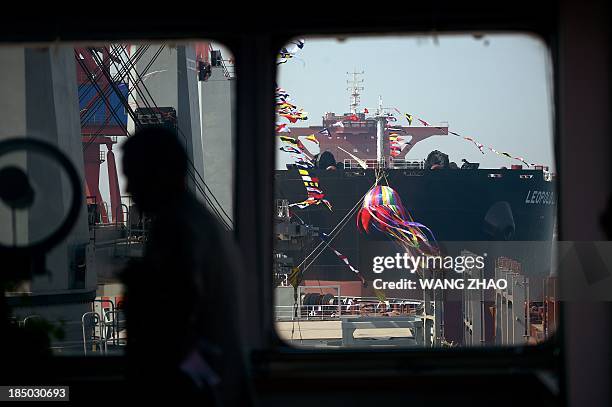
335, 231
218, 208
119, 76
107, 91
213, 203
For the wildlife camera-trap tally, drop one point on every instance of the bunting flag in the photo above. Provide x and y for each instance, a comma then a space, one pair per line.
397, 143
312, 138
312, 201
326, 238
325, 132
285, 105
289, 140
294, 116
281, 94
289, 149
315, 195
283, 56
301, 162
289, 51
521, 159
477, 144
366, 111
287, 110
295, 148
394, 129
409, 118
342, 257
295, 278
283, 128
299, 43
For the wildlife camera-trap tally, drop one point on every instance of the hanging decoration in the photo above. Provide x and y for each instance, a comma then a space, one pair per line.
382, 210
288, 52
325, 132
283, 128
397, 142
312, 138
481, 147
315, 196
327, 239
287, 110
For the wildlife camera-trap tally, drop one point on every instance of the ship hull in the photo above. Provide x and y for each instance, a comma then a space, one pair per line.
457, 205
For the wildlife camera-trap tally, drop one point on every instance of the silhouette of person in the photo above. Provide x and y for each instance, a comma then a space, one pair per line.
181, 306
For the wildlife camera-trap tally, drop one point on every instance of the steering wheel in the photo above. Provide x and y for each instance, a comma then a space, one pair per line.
16, 192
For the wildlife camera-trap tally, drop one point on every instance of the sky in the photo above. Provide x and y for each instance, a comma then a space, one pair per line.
496, 89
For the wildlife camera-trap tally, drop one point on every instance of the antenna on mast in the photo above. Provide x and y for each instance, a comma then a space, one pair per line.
354, 88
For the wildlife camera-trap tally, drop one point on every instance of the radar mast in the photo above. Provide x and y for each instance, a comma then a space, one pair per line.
355, 86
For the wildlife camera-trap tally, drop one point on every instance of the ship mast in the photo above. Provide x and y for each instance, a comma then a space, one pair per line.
380, 134
354, 87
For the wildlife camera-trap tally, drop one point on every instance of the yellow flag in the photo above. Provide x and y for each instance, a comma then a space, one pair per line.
312, 138
295, 277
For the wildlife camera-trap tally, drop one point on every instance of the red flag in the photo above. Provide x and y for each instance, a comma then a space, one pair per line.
366, 110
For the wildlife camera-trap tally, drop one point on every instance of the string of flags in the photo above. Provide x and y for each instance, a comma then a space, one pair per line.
326, 238
342, 257
397, 140
315, 196
287, 110
288, 52
397, 143
312, 138
481, 147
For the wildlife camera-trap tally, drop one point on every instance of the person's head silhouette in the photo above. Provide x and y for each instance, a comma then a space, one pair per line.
155, 164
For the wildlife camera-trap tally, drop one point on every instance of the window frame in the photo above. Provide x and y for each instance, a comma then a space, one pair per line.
255, 48
543, 355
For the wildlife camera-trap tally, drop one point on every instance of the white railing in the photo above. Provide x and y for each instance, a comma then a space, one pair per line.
407, 165
351, 164
335, 311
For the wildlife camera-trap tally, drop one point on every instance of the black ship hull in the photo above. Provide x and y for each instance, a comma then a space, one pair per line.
457, 205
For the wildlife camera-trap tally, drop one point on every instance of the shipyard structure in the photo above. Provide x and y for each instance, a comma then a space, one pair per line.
85, 101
